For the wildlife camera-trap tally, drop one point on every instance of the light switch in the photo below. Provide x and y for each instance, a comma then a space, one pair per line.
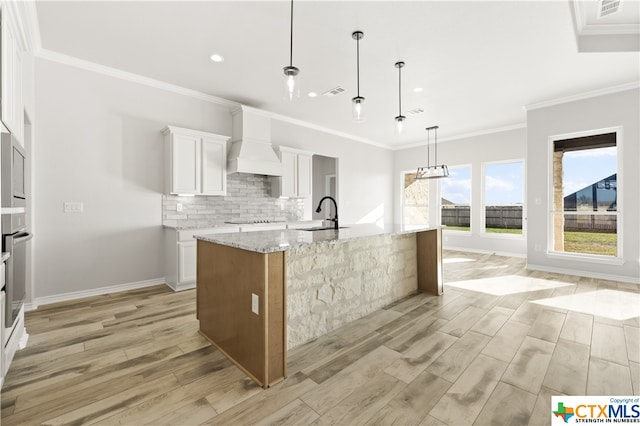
254, 304
73, 207
179, 207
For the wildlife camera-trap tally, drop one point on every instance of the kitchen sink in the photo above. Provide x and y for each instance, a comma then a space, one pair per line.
326, 228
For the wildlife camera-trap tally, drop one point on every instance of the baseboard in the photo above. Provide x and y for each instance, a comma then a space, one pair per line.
586, 274
181, 287
497, 253
93, 292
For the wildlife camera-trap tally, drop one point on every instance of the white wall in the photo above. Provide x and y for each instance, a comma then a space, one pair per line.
618, 109
474, 151
364, 171
98, 141
322, 167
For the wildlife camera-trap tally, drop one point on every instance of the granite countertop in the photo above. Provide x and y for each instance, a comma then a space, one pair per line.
286, 239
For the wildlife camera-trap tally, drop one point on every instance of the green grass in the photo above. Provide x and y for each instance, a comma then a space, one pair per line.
504, 231
458, 228
590, 243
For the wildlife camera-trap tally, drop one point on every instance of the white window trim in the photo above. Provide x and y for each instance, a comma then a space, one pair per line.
585, 257
483, 210
457, 232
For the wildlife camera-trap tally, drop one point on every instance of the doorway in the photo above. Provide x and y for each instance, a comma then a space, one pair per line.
325, 182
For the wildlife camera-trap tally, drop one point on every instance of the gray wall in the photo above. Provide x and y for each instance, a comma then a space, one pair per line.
98, 141
474, 151
618, 109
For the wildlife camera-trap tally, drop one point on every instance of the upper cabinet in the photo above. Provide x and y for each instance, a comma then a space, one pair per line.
296, 174
11, 85
196, 162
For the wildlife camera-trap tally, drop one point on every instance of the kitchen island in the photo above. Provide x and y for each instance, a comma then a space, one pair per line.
262, 293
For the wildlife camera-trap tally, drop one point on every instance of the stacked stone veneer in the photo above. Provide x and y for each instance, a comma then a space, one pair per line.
248, 197
332, 284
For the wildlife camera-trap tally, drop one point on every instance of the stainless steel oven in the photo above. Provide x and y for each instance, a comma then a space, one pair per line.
16, 271
14, 228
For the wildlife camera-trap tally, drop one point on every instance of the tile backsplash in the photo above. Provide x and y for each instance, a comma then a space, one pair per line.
248, 197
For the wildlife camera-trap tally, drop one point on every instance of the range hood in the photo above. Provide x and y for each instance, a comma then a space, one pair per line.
251, 150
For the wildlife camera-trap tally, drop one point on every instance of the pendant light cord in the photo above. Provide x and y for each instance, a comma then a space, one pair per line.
435, 145
291, 38
358, 63
399, 91
428, 148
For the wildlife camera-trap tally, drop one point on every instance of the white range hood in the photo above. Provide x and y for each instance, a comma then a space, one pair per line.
251, 150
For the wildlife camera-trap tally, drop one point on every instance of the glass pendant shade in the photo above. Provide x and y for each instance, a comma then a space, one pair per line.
358, 109
399, 125
291, 82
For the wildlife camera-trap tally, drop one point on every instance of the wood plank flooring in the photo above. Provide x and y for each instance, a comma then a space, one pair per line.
136, 357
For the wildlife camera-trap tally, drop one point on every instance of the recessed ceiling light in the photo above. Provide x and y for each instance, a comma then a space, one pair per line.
216, 57
418, 90
312, 94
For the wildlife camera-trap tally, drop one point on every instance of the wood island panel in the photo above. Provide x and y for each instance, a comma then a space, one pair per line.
226, 279
429, 245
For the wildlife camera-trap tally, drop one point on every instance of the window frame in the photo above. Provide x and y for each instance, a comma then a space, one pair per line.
471, 227
483, 209
618, 259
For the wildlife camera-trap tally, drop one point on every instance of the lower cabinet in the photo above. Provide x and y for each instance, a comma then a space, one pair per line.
187, 262
180, 255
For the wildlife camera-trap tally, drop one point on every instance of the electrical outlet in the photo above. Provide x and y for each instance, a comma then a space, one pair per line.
73, 207
254, 304
179, 207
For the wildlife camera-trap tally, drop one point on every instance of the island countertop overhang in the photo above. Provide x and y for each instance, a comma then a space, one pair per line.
283, 240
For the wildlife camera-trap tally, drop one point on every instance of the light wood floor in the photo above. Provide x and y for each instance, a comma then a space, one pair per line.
466, 357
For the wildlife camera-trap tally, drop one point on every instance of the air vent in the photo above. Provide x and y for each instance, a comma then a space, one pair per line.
334, 92
607, 7
415, 111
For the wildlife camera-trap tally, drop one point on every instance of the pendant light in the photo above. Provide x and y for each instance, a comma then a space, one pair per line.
358, 101
291, 73
437, 170
400, 118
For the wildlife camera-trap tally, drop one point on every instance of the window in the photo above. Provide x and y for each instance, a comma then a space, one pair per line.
503, 197
415, 200
585, 195
455, 201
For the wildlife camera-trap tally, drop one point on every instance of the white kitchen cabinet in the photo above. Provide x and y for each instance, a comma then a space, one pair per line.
196, 162
181, 255
296, 174
11, 69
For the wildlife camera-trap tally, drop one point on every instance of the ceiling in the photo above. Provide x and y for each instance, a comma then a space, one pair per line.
478, 62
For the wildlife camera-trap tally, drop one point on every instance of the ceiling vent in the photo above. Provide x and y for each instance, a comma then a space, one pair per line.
333, 92
607, 7
415, 111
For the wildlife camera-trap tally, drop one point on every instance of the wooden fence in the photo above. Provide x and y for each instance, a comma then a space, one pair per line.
510, 217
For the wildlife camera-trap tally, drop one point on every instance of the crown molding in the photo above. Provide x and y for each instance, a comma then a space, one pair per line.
33, 40
586, 95
319, 128
466, 135
134, 78
234, 107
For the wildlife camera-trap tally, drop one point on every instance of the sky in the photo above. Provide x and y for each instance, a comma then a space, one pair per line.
583, 168
504, 181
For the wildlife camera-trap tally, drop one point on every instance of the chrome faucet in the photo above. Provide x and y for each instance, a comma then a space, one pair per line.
319, 209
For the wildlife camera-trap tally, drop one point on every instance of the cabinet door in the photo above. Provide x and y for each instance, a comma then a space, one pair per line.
186, 262
214, 167
289, 180
185, 164
8, 70
304, 175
